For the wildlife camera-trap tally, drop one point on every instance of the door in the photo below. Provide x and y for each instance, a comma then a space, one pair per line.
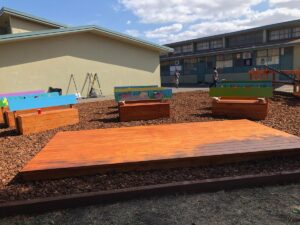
201, 70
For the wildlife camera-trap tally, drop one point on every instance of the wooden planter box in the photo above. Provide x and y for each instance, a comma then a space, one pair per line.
297, 90
34, 122
9, 116
2, 113
131, 111
255, 109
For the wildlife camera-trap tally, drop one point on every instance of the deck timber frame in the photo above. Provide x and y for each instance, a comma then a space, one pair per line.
41, 205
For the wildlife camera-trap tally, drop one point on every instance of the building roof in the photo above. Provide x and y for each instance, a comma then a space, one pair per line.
69, 30
235, 50
240, 32
30, 17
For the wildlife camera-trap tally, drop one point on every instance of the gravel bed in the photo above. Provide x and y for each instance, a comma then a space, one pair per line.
16, 151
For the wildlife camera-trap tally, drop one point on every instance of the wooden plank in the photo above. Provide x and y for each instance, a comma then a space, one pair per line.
31, 96
234, 84
3, 95
118, 88
4, 101
2, 111
36, 103
79, 153
9, 116
144, 111
42, 205
139, 89
34, 122
143, 95
266, 92
119, 91
141, 101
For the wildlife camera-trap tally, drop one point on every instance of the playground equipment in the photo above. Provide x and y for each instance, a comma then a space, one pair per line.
142, 102
42, 119
91, 80
241, 99
292, 77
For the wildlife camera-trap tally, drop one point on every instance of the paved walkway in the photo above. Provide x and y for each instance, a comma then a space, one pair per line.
278, 205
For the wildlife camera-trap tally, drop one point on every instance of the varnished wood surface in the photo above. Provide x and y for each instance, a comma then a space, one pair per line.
34, 122
2, 111
144, 111
241, 109
10, 117
93, 151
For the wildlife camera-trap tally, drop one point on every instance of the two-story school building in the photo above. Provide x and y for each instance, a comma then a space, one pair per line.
234, 54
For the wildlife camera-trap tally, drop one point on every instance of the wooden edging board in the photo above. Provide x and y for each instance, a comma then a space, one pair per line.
102, 197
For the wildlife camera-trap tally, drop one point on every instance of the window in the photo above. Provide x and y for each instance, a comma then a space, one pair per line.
247, 55
262, 53
175, 65
177, 50
165, 68
187, 48
216, 44
190, 66
279, 34
245, 39
202, 46
243, 59
296, 32
268, 57
224, 61
273, 52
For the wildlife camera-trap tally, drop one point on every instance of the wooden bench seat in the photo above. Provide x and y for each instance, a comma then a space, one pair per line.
49, 113
136, 94
241, 99
143, 111
33, 122
240, 108
9, 116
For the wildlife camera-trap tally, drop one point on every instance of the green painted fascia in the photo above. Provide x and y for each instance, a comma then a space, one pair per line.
51, 32
30, 17
257, 92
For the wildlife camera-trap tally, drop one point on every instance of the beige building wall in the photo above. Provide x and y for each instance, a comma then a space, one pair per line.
40, 63
296, 62
19, 25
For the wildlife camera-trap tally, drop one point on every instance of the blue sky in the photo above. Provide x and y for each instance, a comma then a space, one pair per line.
163, 21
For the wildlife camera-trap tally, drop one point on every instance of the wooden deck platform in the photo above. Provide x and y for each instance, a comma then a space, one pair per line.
79, 153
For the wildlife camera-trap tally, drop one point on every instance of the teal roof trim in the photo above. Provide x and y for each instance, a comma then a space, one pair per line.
30, 17
61, 31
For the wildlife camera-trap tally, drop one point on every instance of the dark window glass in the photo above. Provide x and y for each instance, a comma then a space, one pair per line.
246, 39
